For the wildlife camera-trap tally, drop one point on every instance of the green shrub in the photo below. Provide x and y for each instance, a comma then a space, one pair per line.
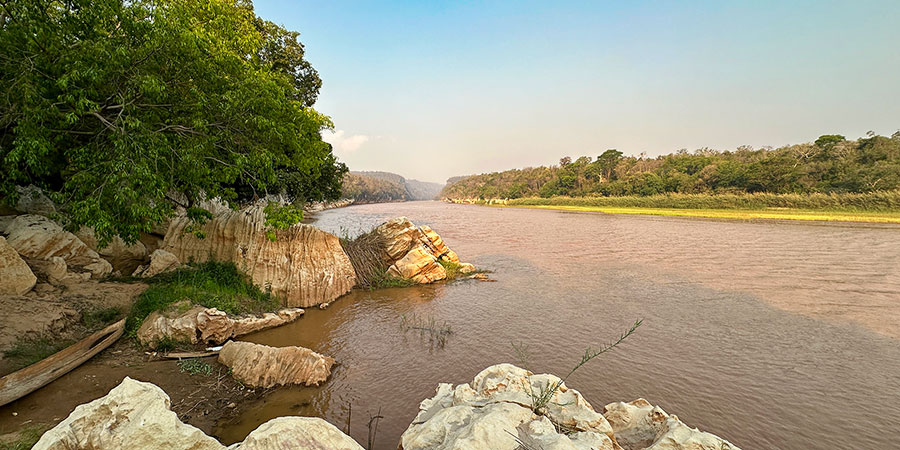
211, 284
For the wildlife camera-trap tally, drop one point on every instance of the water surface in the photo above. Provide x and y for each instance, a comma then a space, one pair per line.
770, 334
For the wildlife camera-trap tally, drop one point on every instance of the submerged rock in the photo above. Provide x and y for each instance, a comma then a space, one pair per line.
195, 324
37, 237
133, 415
263, 366
304, 265
161, 261
495, 411
16, 277
136, 414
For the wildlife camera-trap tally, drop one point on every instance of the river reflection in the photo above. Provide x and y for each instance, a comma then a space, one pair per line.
772, 335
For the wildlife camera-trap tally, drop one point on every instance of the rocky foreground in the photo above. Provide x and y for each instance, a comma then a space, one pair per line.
492, 412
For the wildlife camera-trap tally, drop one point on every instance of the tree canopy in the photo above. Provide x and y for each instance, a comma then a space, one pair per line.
831, 164
122, 111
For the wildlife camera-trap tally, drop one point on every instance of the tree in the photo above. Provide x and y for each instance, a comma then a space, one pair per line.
608, 161
123, 110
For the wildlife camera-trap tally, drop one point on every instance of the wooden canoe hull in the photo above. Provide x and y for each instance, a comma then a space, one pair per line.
23, 382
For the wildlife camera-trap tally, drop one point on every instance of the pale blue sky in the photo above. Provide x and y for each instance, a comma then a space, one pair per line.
431, 90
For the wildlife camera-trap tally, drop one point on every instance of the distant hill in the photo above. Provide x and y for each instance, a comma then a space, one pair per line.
382, 187
423, 190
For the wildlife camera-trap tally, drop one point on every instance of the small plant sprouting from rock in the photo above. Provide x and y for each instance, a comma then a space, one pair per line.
540, 399
437, 333
194, 367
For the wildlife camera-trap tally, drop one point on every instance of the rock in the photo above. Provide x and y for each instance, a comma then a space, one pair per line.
37, 237
263, 366
137, 415
247, 325
121, 256
161, 261
495, 410
419, 266
30, 318
183, 322
304, 265
133, 415
33, 201
54, 270
16, 277
466, 268
640, 425
177, 323
310, 433
412, 252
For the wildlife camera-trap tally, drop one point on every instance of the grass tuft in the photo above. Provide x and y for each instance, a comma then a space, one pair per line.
26, 352
211, 284
100, 317
194, 367
27, 437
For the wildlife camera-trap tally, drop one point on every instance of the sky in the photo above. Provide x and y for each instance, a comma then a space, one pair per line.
431, 90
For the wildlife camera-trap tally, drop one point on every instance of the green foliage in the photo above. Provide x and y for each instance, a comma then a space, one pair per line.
122, 110
27, 437
26, 352
212, 284
99, 317
872, 201
282, 217
831, 165
194, 366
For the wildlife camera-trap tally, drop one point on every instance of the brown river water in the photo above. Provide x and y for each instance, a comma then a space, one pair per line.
771, 334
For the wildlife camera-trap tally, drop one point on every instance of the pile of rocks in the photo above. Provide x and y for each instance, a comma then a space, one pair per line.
492, 412
495, 411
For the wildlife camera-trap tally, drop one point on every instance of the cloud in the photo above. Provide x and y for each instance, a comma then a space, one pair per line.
343, 143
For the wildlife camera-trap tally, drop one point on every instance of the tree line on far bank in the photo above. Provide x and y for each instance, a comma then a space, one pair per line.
831, 164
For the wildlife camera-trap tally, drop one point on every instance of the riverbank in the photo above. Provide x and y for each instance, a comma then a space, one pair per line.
876, 207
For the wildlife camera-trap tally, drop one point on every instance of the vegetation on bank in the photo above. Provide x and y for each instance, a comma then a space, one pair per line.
25, 439
830, 165
211, 284
882, 206
122, 111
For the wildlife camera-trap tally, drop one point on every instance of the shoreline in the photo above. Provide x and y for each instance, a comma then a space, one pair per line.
768, 214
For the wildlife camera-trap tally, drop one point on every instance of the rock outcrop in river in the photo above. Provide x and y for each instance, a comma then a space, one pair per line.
495, 411
137, 415
413, 253
304, 265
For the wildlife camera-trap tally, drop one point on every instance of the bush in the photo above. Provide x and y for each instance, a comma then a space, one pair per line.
211, 284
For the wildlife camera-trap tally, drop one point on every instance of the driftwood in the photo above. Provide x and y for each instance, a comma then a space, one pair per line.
23, 382
188, 355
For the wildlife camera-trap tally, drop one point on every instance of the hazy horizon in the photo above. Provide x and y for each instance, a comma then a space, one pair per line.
434, 92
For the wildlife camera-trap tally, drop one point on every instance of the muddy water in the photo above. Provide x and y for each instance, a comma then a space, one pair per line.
774, 335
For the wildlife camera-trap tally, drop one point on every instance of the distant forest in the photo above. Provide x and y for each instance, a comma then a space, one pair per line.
831, 164
382, 187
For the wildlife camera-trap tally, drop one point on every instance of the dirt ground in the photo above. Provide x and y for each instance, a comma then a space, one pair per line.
199, 399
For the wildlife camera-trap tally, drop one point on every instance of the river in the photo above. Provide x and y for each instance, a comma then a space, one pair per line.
770, 334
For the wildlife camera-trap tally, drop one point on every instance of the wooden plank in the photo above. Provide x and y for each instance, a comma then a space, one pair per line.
187, 355
25, 381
